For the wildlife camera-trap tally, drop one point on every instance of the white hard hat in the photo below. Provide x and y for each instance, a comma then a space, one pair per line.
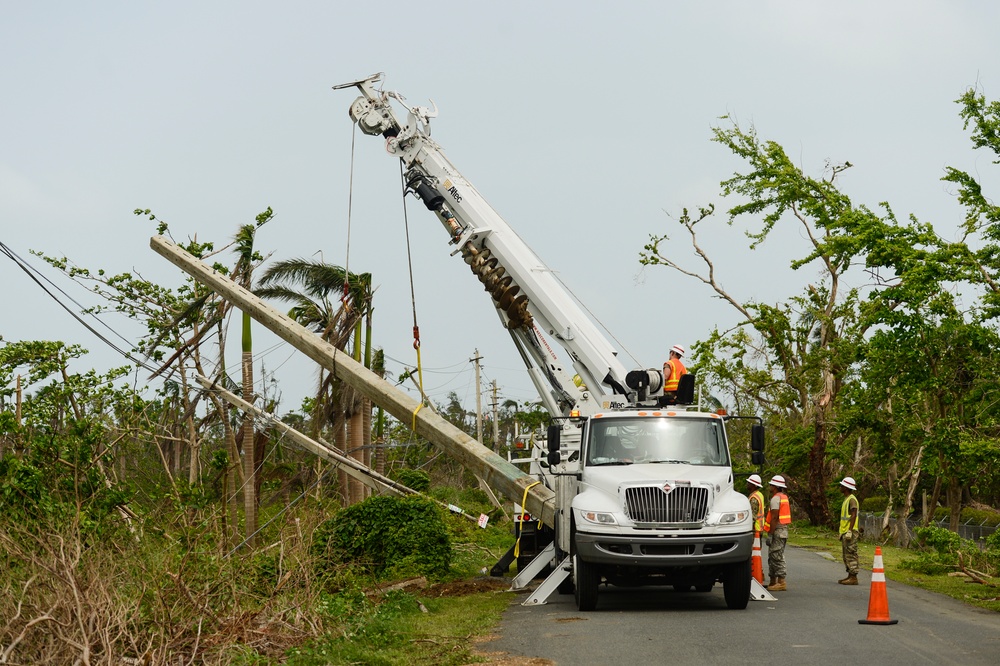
778, 480
848, 483
677, 349
755, 480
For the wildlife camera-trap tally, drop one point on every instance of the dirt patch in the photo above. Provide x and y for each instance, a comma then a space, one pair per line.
461, 588
504, 659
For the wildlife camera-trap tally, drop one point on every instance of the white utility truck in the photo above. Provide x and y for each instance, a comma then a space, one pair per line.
643, 481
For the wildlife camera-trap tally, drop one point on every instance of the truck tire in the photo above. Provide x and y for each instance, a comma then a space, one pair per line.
588, 578
736, 585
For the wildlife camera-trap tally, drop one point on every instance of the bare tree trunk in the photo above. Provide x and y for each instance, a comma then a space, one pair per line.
935, 497
234, 473
249, 462
816, 504
340, 439
890, 504
954, 495
357, 451
366, 431
902, 537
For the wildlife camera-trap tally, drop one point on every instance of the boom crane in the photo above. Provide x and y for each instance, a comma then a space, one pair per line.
529, 299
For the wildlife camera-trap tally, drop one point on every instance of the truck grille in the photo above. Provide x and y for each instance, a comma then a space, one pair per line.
650, 504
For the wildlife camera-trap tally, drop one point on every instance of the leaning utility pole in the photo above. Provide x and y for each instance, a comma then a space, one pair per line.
497, 472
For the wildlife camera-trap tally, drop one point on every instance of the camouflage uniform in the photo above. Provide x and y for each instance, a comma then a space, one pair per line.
776, 546
849, 538
850, 548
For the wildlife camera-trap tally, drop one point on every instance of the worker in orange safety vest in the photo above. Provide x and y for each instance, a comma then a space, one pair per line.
776, 525
673, 370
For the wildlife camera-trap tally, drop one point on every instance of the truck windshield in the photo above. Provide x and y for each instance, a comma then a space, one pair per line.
657, 440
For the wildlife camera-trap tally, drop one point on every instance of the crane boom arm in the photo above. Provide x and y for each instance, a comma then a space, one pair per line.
531, 301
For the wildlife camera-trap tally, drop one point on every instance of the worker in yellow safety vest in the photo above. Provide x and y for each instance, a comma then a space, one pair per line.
756, 497
850, 531
673, 369
776, 525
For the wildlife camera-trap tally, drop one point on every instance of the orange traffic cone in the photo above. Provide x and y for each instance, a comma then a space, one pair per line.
756, 564
878, 603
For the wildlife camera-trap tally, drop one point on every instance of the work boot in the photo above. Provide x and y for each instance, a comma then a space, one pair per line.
771, 584
850, 580
844, 579
779, 586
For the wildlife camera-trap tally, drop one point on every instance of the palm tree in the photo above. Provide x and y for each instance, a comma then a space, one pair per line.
253, 448
311, 287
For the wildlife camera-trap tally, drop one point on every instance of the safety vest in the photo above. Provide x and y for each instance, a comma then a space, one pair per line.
845, 513
758, 519
784, 512
676, 370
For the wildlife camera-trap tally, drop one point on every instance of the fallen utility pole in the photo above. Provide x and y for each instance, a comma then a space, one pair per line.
497, 472
356, 470
353, 468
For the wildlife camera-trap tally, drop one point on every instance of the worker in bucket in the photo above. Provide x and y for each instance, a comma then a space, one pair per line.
673, 370
776, 525
850, 531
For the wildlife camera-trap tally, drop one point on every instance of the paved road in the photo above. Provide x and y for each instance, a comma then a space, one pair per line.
814, 622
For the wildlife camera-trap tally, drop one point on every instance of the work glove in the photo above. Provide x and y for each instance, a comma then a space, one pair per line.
848, 535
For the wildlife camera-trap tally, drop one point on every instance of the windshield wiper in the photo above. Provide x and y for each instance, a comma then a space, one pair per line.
611, 462
673, 462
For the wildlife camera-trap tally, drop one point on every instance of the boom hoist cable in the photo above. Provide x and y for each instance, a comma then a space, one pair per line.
413, 299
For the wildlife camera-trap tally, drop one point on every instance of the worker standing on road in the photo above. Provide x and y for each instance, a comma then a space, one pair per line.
850, 532
673, 370
776, 525
756, 497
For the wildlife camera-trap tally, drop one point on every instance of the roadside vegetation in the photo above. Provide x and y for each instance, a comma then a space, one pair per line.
146, 519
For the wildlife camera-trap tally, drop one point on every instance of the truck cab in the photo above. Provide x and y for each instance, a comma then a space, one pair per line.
654, 504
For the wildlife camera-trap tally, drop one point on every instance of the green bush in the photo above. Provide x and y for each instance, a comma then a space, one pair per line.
414, 479
941, 541
875, 504
389, 536
993, 542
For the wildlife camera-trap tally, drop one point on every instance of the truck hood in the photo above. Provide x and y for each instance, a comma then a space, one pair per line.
611, 477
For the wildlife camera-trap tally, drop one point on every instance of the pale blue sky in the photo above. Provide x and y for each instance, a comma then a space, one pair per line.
585, 124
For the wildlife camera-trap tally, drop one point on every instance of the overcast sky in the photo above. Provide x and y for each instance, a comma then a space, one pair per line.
586, 125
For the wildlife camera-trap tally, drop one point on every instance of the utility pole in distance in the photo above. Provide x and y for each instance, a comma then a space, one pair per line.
479, 400
496, 418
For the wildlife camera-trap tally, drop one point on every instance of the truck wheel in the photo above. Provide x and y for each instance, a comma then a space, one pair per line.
736, 585
586, 583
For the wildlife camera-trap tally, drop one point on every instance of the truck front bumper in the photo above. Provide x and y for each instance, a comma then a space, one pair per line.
666, 551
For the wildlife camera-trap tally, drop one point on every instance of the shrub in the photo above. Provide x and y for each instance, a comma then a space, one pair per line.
875, 504
389, 537
415, 479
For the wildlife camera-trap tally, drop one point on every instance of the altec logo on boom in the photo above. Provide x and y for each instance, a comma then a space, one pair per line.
453, 191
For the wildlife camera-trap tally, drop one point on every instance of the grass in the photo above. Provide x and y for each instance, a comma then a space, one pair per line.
893, 559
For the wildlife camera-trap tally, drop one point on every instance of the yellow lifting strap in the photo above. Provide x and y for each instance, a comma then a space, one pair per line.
413, 302
524, 500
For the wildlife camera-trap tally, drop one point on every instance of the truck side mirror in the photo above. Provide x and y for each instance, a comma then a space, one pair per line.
553, 458
757, 444
757, 438
552, 437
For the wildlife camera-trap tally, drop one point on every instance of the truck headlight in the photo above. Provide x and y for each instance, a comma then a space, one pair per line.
733, 517
599, 517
